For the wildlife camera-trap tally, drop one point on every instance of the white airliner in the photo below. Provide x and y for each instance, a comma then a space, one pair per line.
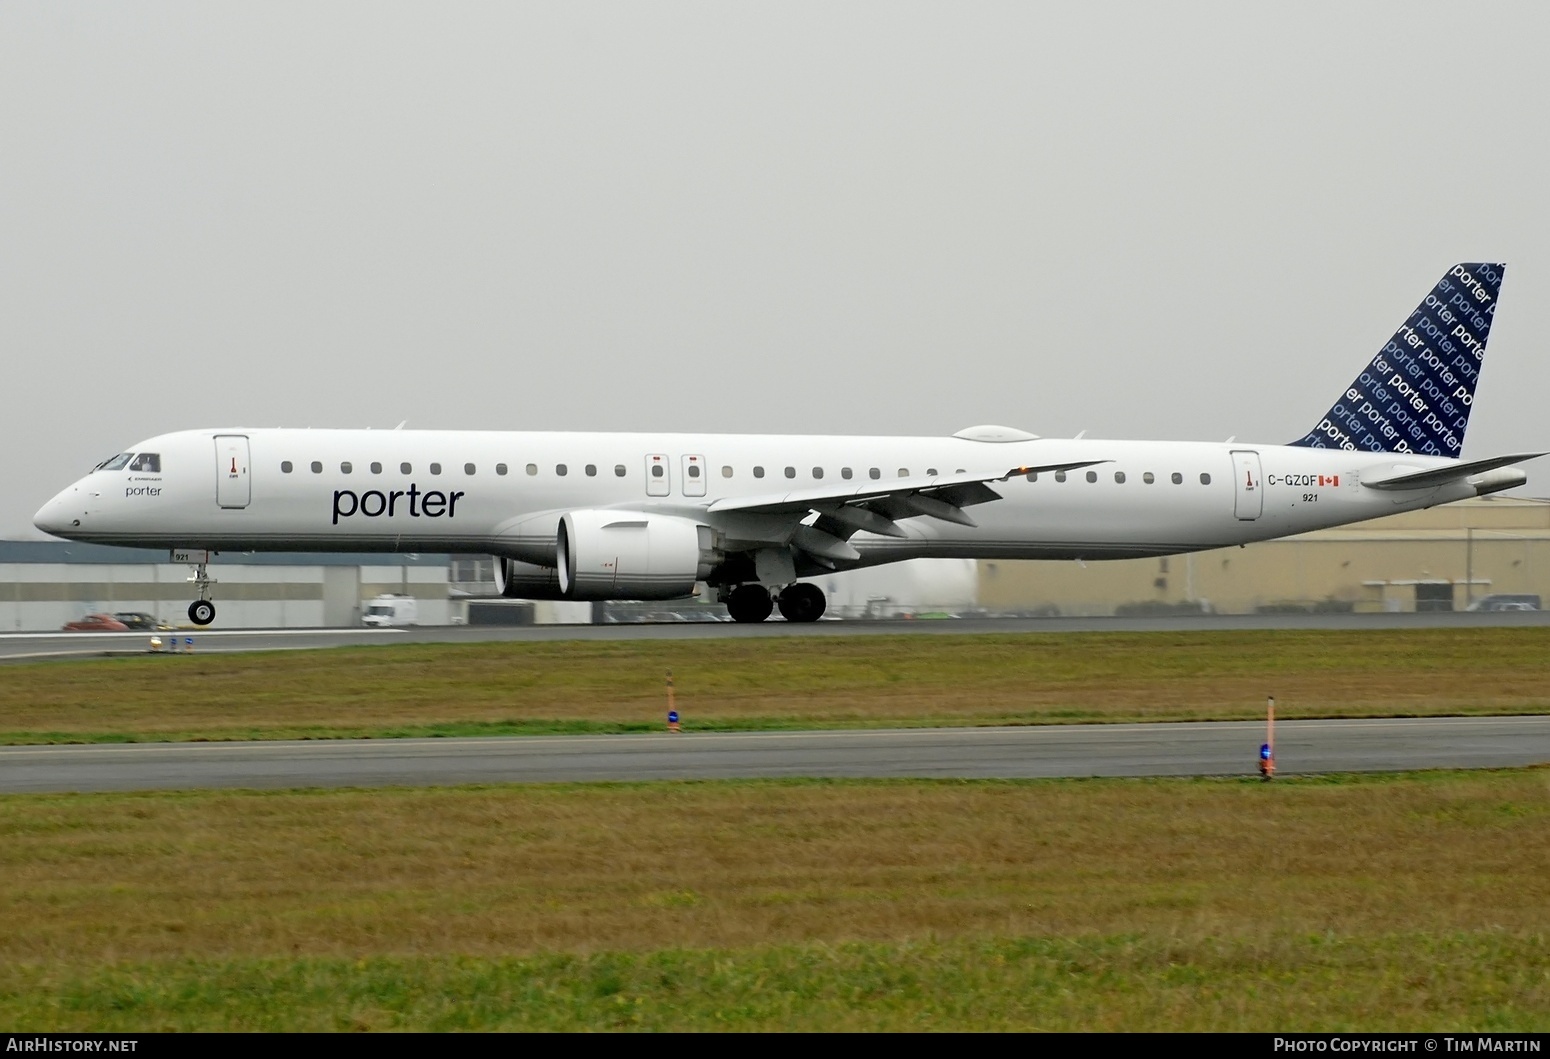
594, 516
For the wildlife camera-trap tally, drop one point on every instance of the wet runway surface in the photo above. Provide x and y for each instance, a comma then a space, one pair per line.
1197, 749
41, 645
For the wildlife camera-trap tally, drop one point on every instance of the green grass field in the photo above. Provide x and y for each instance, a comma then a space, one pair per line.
490, 689
1375, 902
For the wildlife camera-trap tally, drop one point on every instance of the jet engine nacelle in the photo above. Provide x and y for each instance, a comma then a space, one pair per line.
631, 555
515, 579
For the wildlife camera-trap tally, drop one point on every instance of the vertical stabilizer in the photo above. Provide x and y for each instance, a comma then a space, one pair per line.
1416, 394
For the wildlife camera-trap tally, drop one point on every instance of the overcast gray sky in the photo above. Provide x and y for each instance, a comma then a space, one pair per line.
1143, 220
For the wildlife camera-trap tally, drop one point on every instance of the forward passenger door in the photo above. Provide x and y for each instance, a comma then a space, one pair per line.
233, 488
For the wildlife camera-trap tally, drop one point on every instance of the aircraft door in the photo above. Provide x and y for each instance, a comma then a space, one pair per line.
1249, 492
233, 488
659, 481
694, 476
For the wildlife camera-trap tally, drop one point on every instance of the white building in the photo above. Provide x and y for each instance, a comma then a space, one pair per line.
907, 589
44, 584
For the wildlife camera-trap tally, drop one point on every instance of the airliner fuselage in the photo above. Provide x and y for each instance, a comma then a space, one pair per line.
654, 516
504, 493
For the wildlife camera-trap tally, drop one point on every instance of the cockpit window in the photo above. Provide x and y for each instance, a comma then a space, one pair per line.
149, 462
117, 463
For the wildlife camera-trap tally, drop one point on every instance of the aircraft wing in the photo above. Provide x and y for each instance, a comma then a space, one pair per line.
877, 506
1436, 476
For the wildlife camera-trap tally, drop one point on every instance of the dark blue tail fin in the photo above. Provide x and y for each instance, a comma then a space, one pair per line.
1416, 393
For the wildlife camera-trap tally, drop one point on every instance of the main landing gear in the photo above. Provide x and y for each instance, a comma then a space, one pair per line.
202, 611
749, 603
801, 602
797, 602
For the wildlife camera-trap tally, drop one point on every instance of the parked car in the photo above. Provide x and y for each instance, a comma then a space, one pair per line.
1506, 601
96, 623
138, 619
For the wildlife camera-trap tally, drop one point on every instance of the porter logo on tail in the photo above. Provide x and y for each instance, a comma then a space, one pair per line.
1416, 394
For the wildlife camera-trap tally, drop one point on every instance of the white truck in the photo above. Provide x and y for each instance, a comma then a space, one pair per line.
385, 611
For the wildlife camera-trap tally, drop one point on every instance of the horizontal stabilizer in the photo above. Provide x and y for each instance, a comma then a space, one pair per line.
1436, 476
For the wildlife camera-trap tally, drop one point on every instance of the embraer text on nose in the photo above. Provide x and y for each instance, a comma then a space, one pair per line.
374, 503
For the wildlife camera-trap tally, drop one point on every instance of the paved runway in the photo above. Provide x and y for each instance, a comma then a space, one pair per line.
31, 646
1069, 750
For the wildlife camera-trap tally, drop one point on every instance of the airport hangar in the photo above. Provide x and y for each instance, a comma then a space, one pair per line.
1441, 559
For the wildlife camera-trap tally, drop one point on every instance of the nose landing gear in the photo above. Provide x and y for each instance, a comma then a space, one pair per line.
201, 611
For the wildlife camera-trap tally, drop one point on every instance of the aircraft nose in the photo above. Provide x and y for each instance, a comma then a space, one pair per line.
60, 515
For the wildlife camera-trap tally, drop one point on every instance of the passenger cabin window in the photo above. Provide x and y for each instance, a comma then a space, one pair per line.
874, 473
345, 467
726, 472
1149, 478
149, 462
1119, 477
1092, 476
592, 470
931, 471
904, 472
817, 472
845, 473
404, 468
561, 470
758, 472
117, 463
376, 468
791, 472
618, 470
1205, 479
1177, 478
500, 469
435, 468
285, 466
1060, 476
532, 468
1033, 476
468, 469
317, 467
